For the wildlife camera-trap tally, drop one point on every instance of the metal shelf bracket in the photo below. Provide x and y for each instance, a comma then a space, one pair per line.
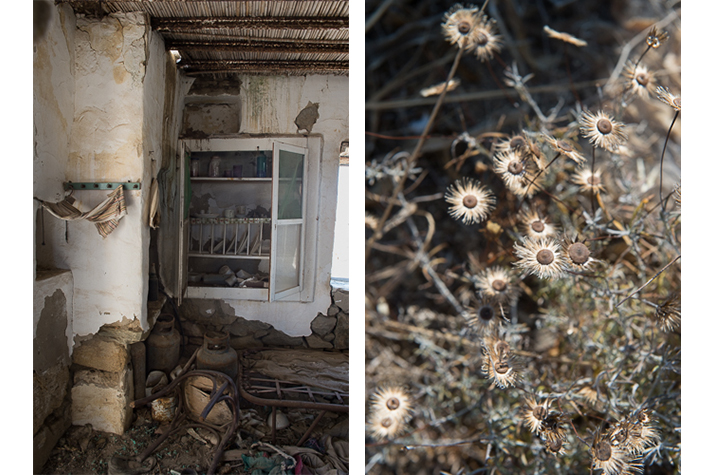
129, 185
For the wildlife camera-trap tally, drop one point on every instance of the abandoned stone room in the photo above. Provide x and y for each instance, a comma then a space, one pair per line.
190, 245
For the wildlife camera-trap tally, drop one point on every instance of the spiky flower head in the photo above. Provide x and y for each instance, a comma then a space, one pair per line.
613, 459
485, 317
589, 181
541, 257
566, 148
472, 202
602, 130
486, 41
668, 313
639, 80
392, 401
383, 426
578, 254
656, 37
497, 284
498, 363
514, 170
459, 25
665, 95
471, 30
534, 413
536, 225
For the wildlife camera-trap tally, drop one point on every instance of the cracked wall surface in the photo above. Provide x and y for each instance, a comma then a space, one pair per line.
99, 89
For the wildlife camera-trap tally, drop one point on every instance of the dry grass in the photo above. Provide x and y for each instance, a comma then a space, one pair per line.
598, 342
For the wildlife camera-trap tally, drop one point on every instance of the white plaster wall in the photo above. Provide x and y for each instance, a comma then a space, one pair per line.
270, 105
113, 130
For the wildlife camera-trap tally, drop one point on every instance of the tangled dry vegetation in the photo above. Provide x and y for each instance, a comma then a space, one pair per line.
523, 237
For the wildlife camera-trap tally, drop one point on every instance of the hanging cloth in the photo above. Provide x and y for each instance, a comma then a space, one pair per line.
105, 216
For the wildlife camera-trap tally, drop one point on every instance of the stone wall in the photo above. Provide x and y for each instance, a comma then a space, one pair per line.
51, 347
328, 331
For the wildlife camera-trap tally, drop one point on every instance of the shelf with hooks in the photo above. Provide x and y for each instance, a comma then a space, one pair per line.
129, 185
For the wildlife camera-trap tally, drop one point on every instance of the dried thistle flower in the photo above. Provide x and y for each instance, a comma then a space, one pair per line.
459, 25
535, 225
612, 459
668, 313
472, 202
566, 37
565, 148
439, 88
516, 143
635, 433
383, 426
553, 432
665, 95
497, 362
578, 254
485, 317
602, 130
639, 80
514, 171
534, 413
497, 284
589, 181
486, 41
394, 402
542, 257
656, 38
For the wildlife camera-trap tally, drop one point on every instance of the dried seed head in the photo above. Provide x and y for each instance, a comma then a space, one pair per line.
472, 202
566, 148
604, 126
656, 38
499, 285
545, 257
668, 313
588, 181
391, 402
535, 225
495, 283
484, 317
540, 257
458, 25
665, 95
603, 451
602, 130
578, 253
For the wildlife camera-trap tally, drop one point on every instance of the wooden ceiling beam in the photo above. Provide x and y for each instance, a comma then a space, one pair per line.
258, 23
262, 66
258, 45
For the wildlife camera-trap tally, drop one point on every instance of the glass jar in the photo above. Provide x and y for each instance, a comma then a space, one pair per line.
214, 166
194, 166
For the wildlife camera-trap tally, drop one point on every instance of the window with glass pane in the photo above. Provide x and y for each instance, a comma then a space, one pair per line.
290, 185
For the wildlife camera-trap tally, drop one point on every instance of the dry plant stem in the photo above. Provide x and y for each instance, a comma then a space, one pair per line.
594, 156
532, 182
663, 154
497, 81
648, 282
412, 158
626, 50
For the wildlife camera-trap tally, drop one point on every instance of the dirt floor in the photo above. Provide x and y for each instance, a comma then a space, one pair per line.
85, 451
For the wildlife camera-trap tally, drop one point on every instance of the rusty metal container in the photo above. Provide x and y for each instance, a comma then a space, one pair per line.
163, 345
217, 355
